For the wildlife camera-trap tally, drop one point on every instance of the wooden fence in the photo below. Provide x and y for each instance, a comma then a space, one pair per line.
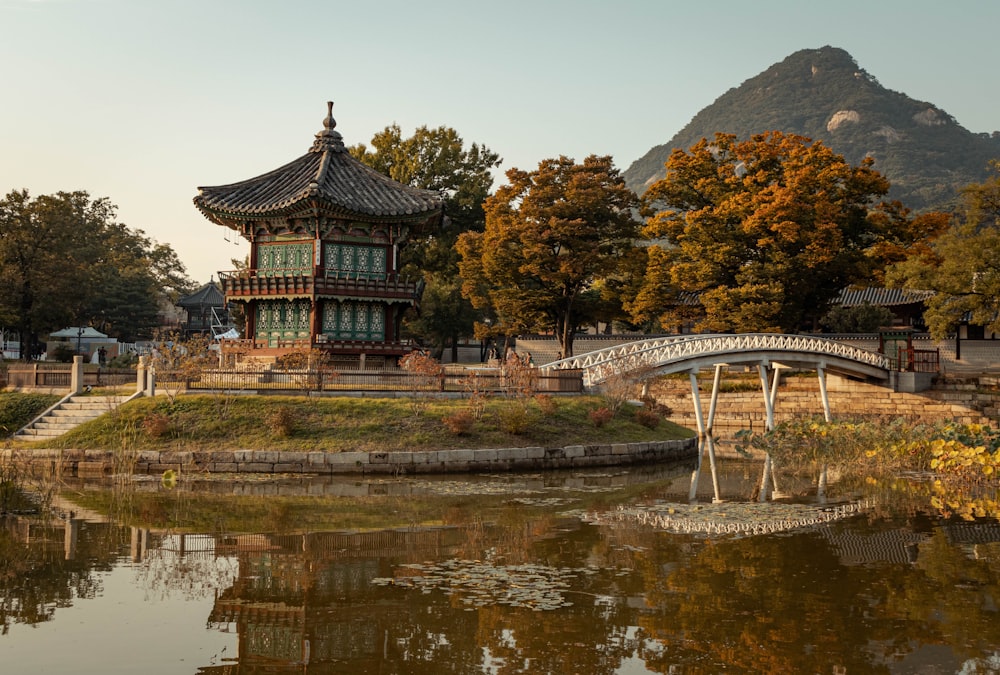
385, 379
58, 376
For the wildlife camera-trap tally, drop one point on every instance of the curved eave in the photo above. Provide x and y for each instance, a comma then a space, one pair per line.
328, 182
340, 297
236, 219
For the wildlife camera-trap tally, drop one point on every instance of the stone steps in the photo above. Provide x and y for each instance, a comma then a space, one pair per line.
66, 415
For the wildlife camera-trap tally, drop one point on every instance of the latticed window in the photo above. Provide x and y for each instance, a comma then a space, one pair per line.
282, 259
355, 261
352, 320
283, 320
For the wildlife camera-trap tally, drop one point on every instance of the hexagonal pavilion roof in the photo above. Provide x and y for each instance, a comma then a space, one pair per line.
327, 180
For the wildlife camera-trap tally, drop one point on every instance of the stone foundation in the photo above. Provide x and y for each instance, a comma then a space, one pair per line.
101, 462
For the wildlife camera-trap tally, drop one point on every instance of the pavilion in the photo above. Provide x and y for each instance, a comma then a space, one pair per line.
325, 234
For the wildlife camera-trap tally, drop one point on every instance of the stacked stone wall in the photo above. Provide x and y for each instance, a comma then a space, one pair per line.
100, 462
975, 400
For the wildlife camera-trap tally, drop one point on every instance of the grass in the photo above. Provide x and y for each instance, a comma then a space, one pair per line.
17, 409
339, 424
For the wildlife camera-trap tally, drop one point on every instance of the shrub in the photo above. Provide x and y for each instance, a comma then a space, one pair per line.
425, 374
281, 421
308, 367
514, 419
647, 418
477, 385
600, 416
547, 404
157, 425
518, 378
459, 423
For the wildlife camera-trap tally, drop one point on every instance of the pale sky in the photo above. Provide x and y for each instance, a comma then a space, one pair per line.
143, 101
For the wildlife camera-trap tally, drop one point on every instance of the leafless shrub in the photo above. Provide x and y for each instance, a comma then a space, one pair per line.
425, 374
459, 423
281, 421
475, 383
600, 416
157, 425
308, 367
647, 418
178, 361
518, 379
547, 404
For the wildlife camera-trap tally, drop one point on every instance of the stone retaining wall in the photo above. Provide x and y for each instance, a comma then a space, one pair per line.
100, 462
961, 400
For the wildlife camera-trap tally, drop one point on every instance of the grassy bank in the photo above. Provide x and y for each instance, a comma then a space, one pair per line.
207, 422
17, 409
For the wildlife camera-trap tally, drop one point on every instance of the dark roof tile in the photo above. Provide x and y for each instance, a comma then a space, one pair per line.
880, 297
328, 178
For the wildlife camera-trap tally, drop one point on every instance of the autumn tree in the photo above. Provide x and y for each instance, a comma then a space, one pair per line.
437, 159
65, 260
962, 265
550, 235
763, 233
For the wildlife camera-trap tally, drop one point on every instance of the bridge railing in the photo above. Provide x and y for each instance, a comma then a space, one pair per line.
599, 365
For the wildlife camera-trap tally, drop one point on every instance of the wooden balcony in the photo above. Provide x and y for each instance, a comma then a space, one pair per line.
250, 285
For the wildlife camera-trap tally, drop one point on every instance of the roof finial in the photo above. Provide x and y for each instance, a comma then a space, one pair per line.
329, 138
329, 122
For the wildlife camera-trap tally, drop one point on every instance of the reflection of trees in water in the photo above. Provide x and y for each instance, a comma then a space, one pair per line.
36, 578
753, 604
801, 602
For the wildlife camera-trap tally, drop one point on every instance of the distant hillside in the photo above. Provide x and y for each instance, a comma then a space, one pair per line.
823, 94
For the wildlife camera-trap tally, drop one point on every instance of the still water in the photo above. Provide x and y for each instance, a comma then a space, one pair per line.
626, 571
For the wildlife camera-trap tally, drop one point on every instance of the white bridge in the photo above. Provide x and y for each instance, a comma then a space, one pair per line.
676, 354
643, 359
770, 352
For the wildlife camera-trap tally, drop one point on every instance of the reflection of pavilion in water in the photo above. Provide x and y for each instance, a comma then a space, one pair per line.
308, 599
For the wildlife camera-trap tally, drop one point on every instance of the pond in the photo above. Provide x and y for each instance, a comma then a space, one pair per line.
638, 570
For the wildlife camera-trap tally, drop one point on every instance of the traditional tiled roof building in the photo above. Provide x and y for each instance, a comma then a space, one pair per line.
206, 310
325, 233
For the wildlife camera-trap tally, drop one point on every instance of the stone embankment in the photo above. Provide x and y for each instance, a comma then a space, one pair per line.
104, 462
962, 400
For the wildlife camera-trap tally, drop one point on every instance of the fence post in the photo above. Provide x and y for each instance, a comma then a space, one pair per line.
76, 375
140, 374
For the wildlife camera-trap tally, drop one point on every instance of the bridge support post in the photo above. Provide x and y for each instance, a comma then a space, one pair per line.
697, 402
706, 444
715, 396
716, 495
821, 373
765, 479
769, 396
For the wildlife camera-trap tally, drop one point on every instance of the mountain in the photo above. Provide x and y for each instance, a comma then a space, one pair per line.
823, 94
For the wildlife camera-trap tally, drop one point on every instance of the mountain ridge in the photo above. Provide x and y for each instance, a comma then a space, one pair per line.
825, 95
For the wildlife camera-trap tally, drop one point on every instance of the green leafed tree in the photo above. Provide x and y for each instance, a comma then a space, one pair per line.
962, 265
64, 260
550, 235
437, 159
763, 234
